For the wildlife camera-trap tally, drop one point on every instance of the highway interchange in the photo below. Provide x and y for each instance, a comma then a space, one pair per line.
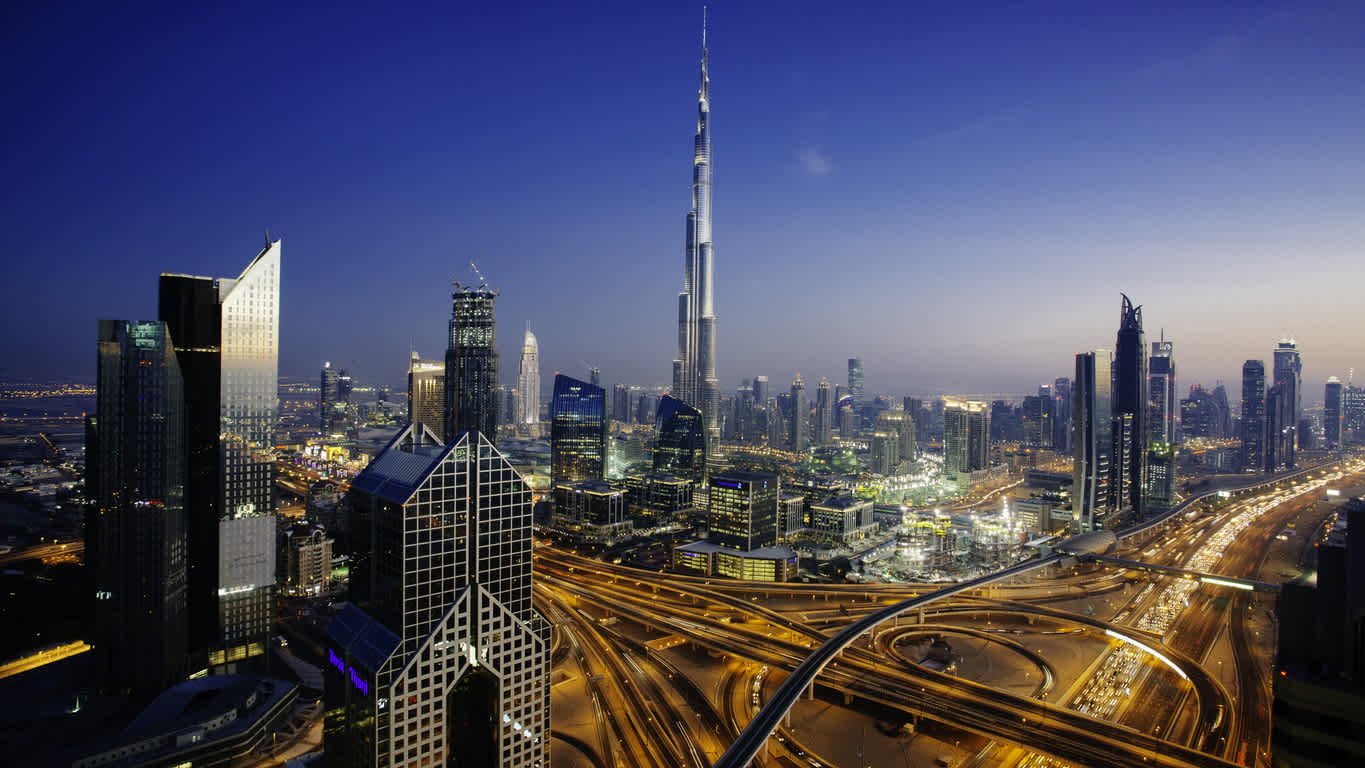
679, 671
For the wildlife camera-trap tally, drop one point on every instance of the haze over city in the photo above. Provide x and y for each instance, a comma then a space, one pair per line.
956, 197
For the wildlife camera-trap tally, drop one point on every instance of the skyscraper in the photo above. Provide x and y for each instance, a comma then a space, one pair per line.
824, 414
1353, 415
1331, 412
1061, 415
440, 649
1279, 432
578, 432
694, 369
620, 403
1092, 441
1289, 377
528, 381
226, 334
1163, 408
966, 439
1037, 411
426, 394
327, 396
855, 388
742, 510
135, 545
334, 401
901, 425
1253, 416
680, 440
1130, 411
800, 416
472, 363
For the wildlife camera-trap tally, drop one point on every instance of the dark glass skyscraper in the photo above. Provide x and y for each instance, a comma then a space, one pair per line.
226, 334
1331, 412
855, 388
135, 545
1130, 411
472, 364
1289, 378
1092, 440
1253, 415
680, 440
800, 416
578, 431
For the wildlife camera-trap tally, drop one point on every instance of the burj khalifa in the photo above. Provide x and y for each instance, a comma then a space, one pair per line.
694, 369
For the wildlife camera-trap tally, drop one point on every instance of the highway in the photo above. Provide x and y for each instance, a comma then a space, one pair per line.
735, 618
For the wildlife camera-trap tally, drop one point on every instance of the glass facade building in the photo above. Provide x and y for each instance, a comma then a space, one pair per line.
1331, 412
1092, 440
694, 369
1289, 378
742, 510
1253, 415
426, 394
1131, 403
578, 432
440, 659
471, 364
966, 439
135, 547
1163, 407
528, 382
226, 335
855, 388
680, 440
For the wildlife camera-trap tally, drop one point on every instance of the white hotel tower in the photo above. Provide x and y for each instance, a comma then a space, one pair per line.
529, 382
694, 370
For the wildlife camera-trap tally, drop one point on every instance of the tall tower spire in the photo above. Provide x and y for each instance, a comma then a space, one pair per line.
694, 369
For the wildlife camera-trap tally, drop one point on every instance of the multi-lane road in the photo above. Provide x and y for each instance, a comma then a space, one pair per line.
1186, 716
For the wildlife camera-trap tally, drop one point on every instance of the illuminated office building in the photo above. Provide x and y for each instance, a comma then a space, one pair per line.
472, 363
1163, 406
966, 439
1161, 473
439, 659
135, 549
226, 334
694, 369
742, 510
1131, 404
426, 394
578, 432
1092, 441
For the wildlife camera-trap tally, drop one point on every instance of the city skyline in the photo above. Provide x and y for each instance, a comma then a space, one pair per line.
933, 178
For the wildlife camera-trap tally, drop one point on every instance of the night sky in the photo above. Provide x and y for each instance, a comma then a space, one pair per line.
956, 194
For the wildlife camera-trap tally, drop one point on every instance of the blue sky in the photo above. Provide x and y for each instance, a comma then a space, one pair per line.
954, 192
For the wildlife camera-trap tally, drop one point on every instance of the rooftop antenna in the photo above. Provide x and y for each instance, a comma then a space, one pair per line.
703, 26
267, 236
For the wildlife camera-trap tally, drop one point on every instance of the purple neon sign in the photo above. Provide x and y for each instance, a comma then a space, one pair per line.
348, 671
